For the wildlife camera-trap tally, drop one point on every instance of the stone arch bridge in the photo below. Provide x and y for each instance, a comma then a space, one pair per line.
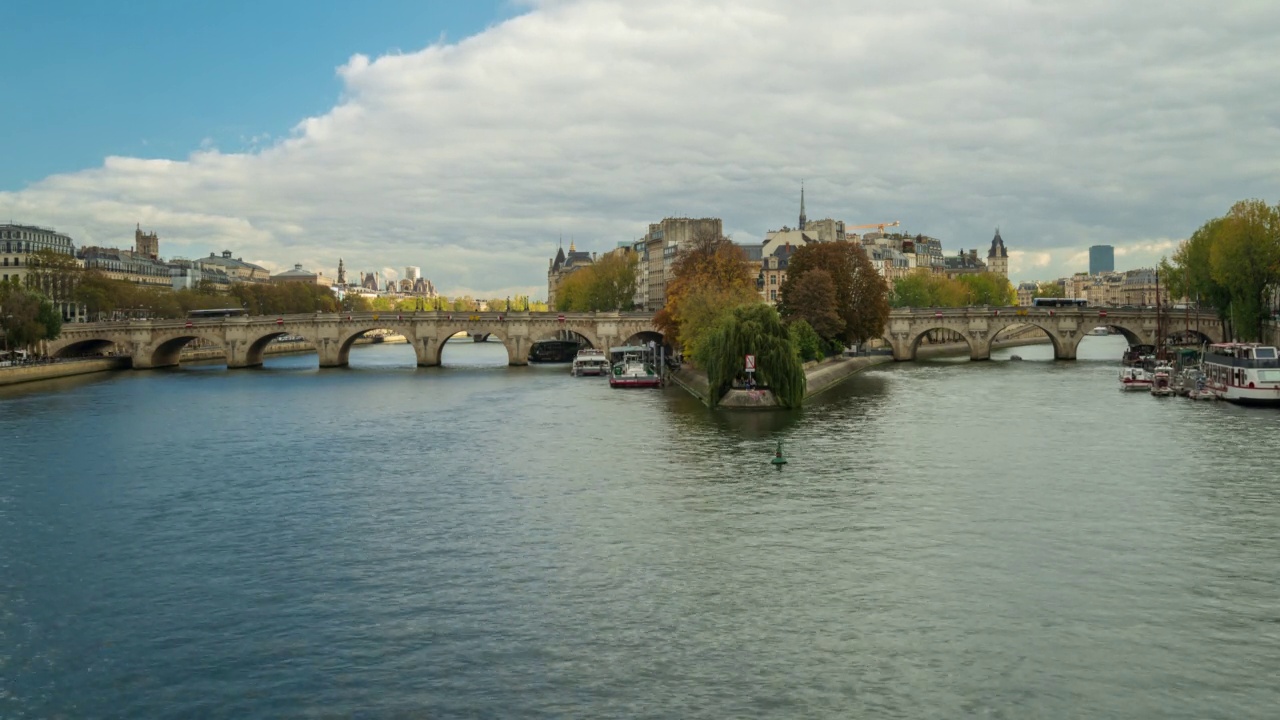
158, 343
1065, 326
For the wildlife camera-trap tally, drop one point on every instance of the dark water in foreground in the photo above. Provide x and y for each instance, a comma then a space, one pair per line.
998, 539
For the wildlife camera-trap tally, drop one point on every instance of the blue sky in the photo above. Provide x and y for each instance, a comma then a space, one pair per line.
85, 79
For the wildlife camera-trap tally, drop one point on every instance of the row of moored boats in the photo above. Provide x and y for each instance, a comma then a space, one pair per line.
1244, 373
629, 366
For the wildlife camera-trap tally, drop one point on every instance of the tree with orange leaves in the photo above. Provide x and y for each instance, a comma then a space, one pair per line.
710, 277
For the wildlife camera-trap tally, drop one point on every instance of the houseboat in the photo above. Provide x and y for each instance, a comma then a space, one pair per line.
633, 366
1244, 373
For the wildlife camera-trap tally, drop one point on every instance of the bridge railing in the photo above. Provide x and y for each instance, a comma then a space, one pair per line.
361, 316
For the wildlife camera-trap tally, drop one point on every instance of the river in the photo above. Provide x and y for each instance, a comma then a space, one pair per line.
949, 539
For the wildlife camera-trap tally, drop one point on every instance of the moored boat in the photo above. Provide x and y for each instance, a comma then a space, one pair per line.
633, 367
554, 351
1136, 366
590, 361
1244, 373
1162, 381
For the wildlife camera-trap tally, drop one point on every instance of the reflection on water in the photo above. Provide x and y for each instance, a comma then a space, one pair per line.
949, 539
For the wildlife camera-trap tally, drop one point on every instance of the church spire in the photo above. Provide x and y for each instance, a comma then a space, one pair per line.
802, 217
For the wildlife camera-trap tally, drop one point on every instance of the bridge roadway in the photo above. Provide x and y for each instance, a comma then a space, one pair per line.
158, 343
1066, 327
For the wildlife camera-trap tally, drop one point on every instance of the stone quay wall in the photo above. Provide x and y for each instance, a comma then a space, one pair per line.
15, 374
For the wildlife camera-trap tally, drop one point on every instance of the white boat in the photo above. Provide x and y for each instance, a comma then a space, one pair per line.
1162, 381
1244, 373
590, 361
1100, 330
633, 367
1134, 378
1136, 366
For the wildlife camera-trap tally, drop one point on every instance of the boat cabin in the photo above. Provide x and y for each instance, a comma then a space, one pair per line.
1243, 372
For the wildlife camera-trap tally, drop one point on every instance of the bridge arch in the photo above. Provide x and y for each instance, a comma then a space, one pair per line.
165, 348
581, 333
1026, 323
83, 347
338, 354
975, 346
643, 337
517, 347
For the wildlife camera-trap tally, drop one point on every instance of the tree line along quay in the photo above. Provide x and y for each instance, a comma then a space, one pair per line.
714, 309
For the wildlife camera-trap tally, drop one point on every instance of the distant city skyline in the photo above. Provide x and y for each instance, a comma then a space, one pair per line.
467, 141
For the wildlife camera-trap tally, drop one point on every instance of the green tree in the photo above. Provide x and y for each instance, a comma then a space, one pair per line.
614, 281
573, 294
53, 274
914, 290
27, 317
355, 302
812, 301
1050, 289
1245, 258
806, 341
988, 289
861, 293
754, 329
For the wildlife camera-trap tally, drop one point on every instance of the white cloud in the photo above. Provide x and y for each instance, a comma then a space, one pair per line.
1068, 124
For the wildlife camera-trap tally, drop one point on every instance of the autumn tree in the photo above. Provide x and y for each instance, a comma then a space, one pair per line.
710, 277
861, 294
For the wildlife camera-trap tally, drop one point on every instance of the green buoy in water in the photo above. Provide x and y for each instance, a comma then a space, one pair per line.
778, 460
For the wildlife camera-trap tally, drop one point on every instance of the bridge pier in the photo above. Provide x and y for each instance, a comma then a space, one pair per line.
979, 348
331, 353
427, 350
240, 355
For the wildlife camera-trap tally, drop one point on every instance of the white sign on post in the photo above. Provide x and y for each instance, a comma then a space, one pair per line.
751, 363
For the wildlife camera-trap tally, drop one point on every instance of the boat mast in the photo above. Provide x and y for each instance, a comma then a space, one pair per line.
1160, 352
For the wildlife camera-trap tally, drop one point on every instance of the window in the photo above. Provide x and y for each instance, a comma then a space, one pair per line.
773, 295
773, 279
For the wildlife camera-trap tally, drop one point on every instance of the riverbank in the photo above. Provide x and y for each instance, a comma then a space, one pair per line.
819, 377
63, 368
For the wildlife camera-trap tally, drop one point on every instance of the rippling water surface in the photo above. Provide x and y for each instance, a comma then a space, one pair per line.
997, 539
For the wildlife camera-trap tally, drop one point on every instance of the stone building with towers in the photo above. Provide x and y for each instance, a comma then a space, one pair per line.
146, 244
998, 257
560, 267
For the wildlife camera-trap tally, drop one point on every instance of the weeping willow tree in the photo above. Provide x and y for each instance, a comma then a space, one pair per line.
753, 330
